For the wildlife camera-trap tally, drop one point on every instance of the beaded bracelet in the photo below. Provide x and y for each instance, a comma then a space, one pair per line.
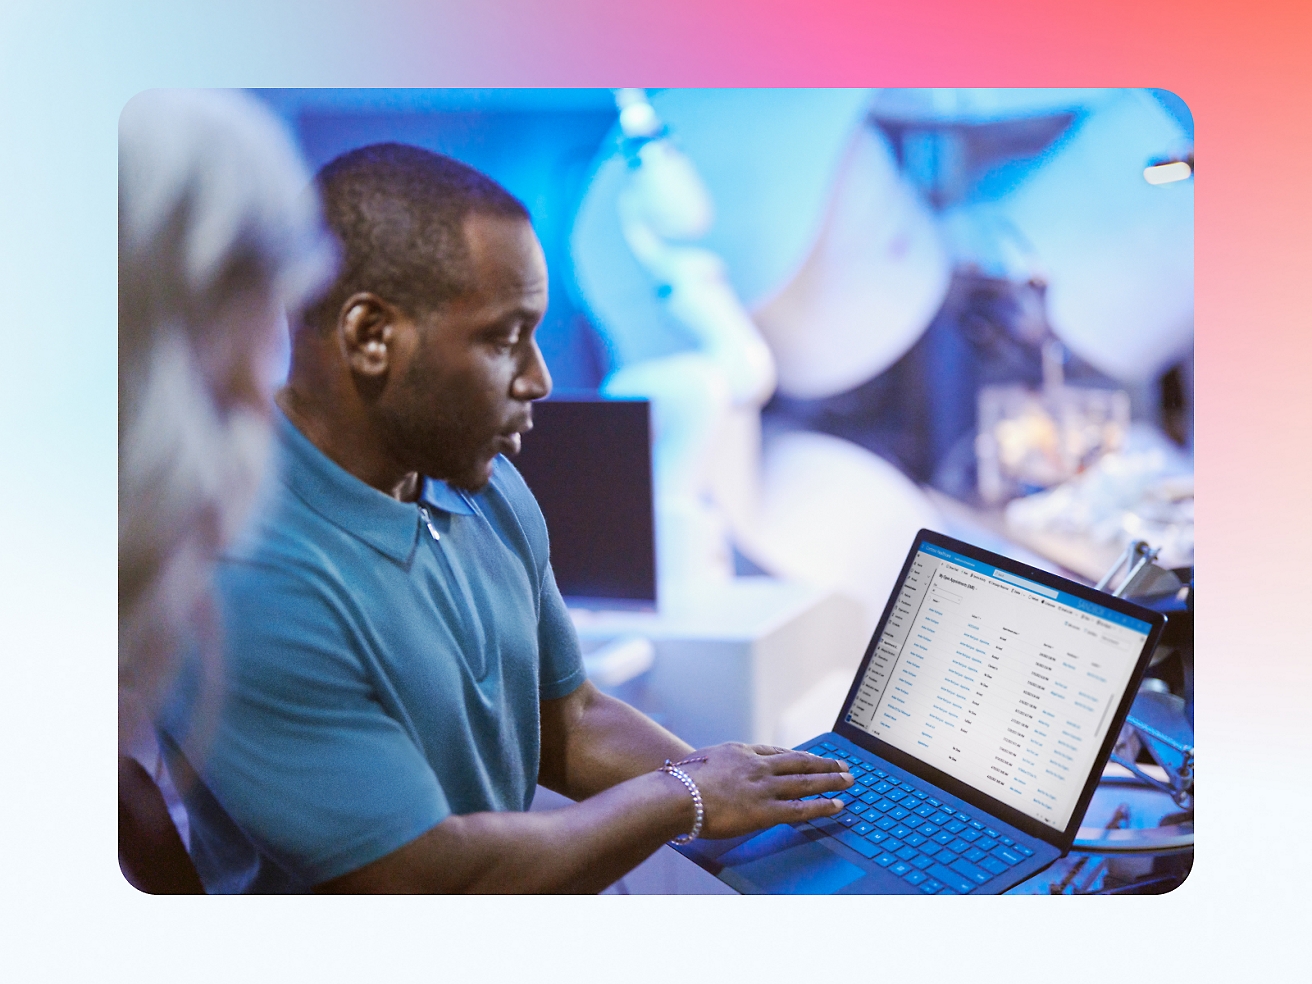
673, 769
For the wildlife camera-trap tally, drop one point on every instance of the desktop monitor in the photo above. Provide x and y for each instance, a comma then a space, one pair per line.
588, 462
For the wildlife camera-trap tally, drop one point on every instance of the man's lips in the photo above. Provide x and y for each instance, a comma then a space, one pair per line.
511, 438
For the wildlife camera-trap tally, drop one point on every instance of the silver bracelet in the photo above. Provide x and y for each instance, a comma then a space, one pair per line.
682, 776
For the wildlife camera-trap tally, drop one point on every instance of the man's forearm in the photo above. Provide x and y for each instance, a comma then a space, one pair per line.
591, 742
580, 848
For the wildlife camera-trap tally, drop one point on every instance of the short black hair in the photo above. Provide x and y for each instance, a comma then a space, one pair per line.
397, 213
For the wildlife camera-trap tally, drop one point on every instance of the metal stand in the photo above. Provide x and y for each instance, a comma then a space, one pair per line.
1159, 724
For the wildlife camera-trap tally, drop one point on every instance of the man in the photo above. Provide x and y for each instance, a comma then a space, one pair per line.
402, 669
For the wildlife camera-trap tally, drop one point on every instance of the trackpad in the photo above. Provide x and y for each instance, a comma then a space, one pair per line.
804, 869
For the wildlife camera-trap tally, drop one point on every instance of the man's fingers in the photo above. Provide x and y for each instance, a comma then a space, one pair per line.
795, 811
808, 784
788, 762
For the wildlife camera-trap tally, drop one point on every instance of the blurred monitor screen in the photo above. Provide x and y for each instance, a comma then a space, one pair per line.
588, 462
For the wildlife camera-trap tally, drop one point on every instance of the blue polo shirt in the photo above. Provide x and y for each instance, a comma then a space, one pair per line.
384, 663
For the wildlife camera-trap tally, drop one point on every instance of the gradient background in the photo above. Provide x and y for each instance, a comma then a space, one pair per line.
66, 70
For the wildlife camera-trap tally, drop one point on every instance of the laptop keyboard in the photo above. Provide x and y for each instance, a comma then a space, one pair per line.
909, 832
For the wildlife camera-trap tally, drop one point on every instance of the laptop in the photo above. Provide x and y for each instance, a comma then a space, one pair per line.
977, 727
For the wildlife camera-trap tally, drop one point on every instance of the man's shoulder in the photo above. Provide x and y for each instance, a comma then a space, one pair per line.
511, 503
507, 480
287, 547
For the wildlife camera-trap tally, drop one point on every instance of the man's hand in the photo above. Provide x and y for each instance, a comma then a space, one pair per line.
747, 787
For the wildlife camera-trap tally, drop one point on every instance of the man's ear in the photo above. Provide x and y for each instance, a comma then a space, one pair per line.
366, 330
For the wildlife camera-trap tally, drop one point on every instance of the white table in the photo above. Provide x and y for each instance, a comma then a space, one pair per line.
731, 658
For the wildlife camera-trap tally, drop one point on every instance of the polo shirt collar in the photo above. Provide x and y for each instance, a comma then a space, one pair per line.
441, 496
389, 526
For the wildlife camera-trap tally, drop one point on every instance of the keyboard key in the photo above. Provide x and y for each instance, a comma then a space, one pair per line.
900, 831
986, 843
977, 825
1006, 840
908, 787
870, 798
962, 817
915, 840
885, 805
884, 860
867, 780
974, 854
881, 773
919, 794
992, 833
1023, 849
907, 853
848, 819
933, 802
925, 811
954, 826
970, 835
940, 818
826, 744
858, 844
872, 816
945, 855
957, 882
915, 877
886, 824
943, 837
1006, 855
842, 798
993, 865
927, 829
957, 846
932, 885
899, 813
883, 786
896, 795
921, 861
962, 867
877, 836
862, 828
900, 868
948, 891
892, 845
830, 793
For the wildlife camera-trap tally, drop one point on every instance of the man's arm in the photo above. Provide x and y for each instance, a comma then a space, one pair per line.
602, 751
591, 741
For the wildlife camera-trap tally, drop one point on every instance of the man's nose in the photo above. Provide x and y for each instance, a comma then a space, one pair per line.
534, 380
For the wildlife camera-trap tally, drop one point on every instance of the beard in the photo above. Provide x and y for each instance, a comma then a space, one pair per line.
189, 478
442, 428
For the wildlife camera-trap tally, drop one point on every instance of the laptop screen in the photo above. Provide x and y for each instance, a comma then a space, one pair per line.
1002, 683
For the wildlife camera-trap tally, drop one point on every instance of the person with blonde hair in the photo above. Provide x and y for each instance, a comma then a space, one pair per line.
219, 234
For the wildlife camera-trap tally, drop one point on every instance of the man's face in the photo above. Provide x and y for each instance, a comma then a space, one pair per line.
467, 372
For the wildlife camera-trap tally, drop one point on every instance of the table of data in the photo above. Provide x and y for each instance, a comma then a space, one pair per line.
997, 682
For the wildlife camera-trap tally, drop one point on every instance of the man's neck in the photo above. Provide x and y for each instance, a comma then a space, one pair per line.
351, 448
